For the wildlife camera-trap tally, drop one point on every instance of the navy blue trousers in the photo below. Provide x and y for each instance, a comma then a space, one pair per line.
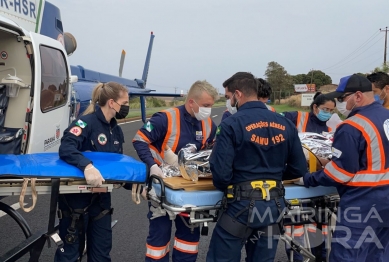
226, 247
98, 232
158, 240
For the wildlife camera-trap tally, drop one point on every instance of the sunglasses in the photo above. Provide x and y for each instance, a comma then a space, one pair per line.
342, 97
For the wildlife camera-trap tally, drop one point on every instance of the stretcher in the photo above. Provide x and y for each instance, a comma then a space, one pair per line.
50, 175
304, 206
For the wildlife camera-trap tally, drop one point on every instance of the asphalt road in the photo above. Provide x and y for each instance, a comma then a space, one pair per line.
129, 234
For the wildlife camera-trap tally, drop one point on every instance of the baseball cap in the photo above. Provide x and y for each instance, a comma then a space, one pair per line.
351, 84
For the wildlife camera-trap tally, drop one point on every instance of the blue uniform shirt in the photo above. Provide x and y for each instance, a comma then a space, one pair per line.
90, 132
226, 114
255, 144
156, 128
313, 125
350, 155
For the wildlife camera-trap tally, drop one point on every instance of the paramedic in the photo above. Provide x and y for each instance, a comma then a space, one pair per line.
380, 81
359, 170
264, 92
254, 150
314, 121
175, 128
90, 214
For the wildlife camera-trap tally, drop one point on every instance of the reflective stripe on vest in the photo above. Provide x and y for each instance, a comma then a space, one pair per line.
173, 134
157, 252
186, 247
302, 120
375, 174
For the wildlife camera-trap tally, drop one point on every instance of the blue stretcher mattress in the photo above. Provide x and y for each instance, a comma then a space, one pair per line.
112, 166
212, 197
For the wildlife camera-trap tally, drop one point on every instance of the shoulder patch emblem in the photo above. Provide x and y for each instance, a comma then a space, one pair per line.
81, 123
386, 128
75, 130
102, 139
148, 126
282, 114
218, 130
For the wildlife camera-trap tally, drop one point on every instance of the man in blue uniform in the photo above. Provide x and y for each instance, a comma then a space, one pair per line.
255, 149
173, 129
360, 171
264, 92
90, 214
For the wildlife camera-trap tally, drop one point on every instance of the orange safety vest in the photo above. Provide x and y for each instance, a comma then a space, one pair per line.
302, 121
173, 134
375, 174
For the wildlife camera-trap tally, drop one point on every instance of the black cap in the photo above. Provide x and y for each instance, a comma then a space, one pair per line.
351, 84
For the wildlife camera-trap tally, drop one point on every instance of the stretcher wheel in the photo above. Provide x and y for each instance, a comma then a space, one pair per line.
204, 231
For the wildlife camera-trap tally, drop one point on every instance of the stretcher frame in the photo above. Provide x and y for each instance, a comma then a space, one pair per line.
34, 243
324, 205
198, 215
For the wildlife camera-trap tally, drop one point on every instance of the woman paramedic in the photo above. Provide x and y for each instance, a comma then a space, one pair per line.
314, 121
90, 214
321, 110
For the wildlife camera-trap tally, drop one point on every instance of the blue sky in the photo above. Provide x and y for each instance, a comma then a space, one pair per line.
213, 39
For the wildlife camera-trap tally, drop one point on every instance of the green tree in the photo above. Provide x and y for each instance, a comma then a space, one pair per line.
279, 79
300, 79
383, 68
317, 77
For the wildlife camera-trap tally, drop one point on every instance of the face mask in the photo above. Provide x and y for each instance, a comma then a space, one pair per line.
378, 99
342, 108
204, 112
231, 109
323, 116
123, 111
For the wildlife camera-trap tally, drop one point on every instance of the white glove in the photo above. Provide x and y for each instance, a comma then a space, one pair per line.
157, 212
93, 176
299, 182
156, 170
170, 158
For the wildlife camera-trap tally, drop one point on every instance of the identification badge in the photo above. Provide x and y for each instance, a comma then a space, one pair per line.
199, 135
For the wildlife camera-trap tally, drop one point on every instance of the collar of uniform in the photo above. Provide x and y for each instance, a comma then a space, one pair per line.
316, 120
252, 104
187, 116
101, 117
373, 105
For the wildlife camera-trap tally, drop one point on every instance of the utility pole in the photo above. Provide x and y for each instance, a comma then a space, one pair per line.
175, 90
386, 42
311, 76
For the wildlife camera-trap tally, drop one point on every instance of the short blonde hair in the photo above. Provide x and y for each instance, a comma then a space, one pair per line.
199, 87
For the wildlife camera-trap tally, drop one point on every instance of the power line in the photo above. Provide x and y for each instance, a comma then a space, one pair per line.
344, 62
367, 41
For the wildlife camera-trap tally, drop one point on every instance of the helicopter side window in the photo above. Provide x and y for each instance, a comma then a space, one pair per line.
54, 79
